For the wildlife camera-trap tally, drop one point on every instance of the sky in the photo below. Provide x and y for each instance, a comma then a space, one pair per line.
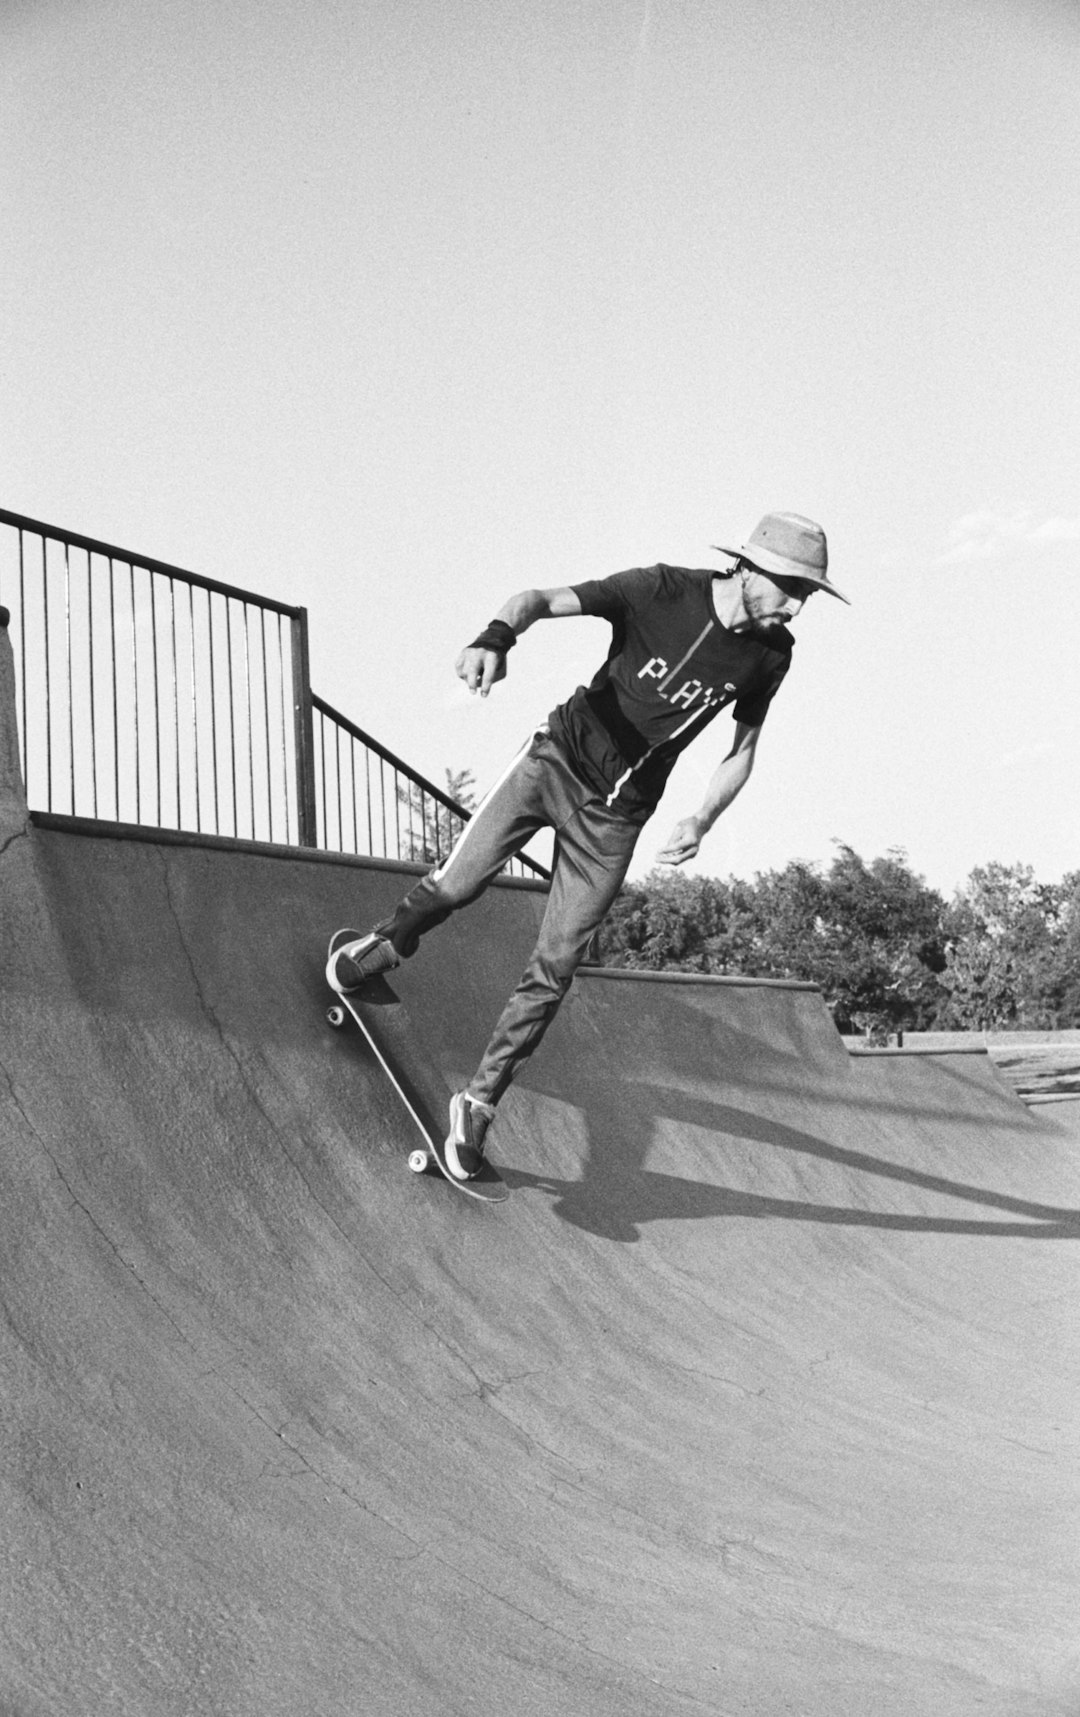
392, 308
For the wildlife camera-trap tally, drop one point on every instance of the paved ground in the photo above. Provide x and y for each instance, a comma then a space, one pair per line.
1040, 1072
759, 1397
1040, 1066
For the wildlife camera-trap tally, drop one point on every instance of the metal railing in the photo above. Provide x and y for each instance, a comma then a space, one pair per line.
369, 801
148, 694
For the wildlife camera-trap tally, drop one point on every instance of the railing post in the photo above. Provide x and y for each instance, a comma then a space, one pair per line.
13, 813
304, 729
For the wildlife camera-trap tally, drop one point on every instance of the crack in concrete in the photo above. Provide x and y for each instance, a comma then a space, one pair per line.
17, 1101
717, 1377
19, 835
621, 1668
308, 1468
1028, 1448
78, 1204
203, 1000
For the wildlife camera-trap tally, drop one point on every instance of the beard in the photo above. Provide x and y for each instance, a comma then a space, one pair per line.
764, 624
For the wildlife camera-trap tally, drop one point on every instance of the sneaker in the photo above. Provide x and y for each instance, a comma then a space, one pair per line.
469, 1122
353, 958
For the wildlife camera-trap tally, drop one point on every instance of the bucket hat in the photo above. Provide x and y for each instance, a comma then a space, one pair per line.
790, 546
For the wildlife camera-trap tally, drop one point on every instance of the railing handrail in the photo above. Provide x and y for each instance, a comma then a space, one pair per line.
388, 756
421, 781
110, 551
299, 786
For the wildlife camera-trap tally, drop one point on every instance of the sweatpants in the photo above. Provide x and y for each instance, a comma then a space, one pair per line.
593, 848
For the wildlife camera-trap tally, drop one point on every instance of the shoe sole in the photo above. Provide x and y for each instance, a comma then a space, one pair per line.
338, 941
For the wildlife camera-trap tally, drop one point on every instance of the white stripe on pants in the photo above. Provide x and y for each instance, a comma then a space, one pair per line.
593, 849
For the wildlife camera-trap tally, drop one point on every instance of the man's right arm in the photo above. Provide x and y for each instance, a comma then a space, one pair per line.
480, 666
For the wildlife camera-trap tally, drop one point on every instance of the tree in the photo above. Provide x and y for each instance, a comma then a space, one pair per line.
428, 828
1061, 973
670, 922
1013, 951
869, 934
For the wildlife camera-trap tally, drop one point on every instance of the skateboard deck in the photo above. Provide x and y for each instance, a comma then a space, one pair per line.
384, 1020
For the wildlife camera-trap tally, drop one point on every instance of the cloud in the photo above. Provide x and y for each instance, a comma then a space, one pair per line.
1058, 531
990, 536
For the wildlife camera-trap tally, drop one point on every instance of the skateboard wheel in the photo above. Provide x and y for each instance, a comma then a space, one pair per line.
418, 1161
336, 1015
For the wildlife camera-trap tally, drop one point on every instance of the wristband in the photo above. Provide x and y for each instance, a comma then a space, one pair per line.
497, 635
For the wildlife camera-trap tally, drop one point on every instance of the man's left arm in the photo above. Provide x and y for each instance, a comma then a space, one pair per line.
729, 779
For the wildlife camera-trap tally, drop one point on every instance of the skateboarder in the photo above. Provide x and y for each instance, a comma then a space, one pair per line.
685, 644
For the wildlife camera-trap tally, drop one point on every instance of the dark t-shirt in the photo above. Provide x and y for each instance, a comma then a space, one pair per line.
671, 668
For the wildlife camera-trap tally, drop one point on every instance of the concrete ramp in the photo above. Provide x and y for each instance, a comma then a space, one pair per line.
759, 1396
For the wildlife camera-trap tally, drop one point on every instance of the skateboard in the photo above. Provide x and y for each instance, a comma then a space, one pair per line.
384, 1020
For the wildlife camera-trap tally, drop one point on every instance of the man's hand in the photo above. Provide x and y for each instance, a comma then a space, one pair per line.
480, 668
683, 842
479, 665
728, 779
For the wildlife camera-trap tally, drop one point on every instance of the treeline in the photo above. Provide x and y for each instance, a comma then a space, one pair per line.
889, 953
